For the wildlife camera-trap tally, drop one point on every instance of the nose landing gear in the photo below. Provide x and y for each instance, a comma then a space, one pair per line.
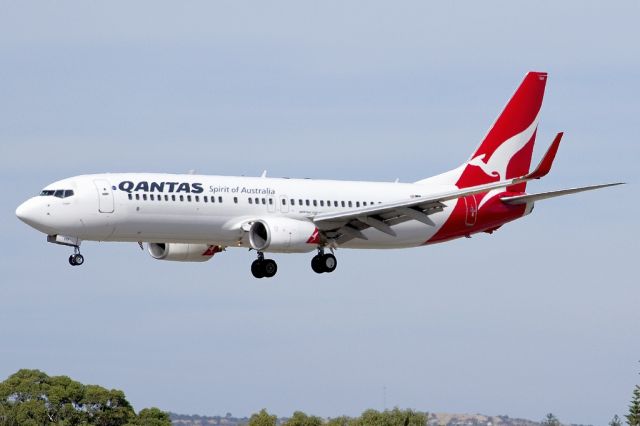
76, 259
263, 268
323, 262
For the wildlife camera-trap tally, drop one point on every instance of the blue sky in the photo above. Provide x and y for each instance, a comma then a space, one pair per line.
541, 316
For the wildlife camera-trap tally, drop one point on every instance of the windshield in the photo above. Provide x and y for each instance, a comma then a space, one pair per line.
60, 193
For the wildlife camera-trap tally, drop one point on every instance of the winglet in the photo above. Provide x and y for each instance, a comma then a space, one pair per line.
545, 164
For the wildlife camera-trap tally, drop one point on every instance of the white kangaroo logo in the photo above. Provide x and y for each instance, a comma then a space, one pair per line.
496, 165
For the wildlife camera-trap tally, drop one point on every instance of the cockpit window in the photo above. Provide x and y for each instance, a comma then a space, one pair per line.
60, 193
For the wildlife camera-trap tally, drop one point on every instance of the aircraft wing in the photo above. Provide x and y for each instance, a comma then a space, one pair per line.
346, 225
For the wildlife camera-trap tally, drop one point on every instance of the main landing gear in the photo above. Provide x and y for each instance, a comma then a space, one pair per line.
263, 268
323, 262
76, 259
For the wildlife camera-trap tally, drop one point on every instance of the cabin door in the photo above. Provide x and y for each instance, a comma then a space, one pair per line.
105, 195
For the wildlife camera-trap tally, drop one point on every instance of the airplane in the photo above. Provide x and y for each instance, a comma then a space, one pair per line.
190, 218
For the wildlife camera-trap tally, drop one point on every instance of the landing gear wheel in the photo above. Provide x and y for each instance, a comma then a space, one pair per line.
76, 259
257, 268
329, 262
269, 267
316, 264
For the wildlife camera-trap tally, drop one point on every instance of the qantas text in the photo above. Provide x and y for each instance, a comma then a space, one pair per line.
144, 186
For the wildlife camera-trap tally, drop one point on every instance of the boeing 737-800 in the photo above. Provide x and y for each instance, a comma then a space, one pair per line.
190, 218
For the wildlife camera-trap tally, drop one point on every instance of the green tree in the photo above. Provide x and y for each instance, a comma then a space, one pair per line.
551, 420
151, 417
395, 417
301, 419
615, 421
31, 398
339, 421
263, 418
633, 418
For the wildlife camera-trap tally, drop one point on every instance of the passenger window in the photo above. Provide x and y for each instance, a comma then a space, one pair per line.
220, 199
271, 201
235, 200
357, 203
205, 198
315, 203
189, 198
137, 196
182, 198
257, 200
284, 202
335, 204
173, 198
350, 204
307, 202
144, 197
364, 203
152, 197
299, 202
197, 198
321, 203
166, 198
342, 202
250, 201
264, 201
130, 196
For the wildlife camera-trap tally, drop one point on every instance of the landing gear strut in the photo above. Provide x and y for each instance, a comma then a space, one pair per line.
263, 268
76, 259
323, 262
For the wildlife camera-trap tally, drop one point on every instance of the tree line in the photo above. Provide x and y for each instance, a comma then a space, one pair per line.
32, 398
395, 417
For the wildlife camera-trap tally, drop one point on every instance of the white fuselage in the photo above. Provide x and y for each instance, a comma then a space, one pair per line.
212, 209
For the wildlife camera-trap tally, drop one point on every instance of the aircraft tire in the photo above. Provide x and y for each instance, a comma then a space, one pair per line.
269, 267
257, 269
71, 261
78, 259
329, 262
317, 264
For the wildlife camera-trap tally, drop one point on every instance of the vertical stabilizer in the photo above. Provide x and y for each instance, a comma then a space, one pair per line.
505, 152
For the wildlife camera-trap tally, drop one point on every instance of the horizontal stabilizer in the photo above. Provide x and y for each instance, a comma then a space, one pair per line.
523, 199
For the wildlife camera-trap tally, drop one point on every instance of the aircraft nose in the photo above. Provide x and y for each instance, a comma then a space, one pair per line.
28, 212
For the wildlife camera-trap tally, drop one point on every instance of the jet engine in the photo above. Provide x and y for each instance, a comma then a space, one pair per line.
182, 252
283, 235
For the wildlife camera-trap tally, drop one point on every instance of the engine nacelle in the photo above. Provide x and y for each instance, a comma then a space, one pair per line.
182, 252
283, 235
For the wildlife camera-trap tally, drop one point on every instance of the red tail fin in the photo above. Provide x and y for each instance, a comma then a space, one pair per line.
506, 150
